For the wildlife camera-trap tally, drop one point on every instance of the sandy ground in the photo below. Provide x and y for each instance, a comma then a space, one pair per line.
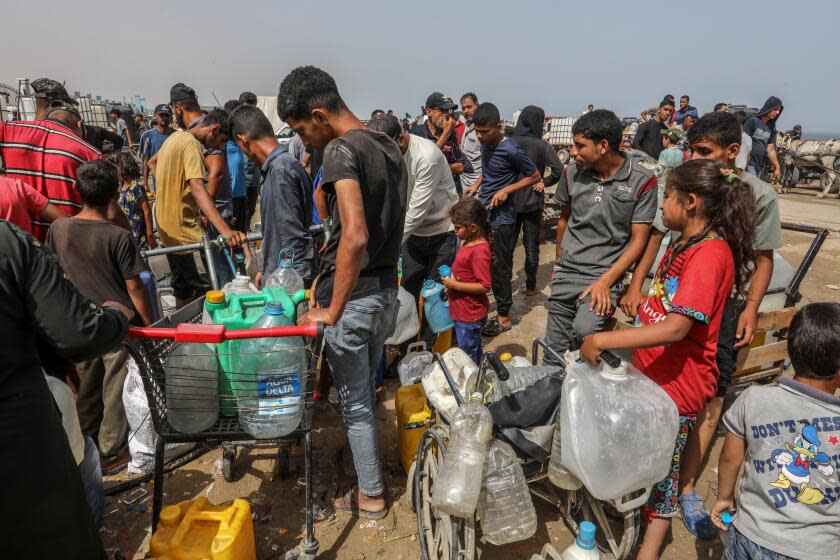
279, 504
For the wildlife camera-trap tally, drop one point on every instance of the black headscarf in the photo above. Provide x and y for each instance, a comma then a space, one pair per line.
531, 122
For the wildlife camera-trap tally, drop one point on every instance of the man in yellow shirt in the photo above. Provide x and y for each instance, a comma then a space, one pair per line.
182, 191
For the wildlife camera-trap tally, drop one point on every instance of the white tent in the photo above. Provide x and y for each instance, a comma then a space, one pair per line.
268, 105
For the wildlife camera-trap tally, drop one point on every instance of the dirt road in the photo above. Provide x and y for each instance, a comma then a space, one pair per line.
278, 503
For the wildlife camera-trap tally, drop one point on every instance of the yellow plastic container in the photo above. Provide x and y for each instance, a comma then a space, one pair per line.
412, 413
198, 530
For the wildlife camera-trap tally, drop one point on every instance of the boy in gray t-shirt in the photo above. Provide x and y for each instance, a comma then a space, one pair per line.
788, 505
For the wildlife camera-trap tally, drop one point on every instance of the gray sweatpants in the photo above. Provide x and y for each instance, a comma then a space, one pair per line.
569, 318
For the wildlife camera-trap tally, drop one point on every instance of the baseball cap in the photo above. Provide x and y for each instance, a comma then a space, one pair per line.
46, 88
182, 92
163, 108
674, 133
438, 101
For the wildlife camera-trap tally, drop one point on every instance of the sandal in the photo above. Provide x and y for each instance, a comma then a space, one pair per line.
494, 328
347, 502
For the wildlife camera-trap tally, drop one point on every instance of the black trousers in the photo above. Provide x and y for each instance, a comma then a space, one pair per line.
253, 195
421, 257
529, 224
501, 268
727, 355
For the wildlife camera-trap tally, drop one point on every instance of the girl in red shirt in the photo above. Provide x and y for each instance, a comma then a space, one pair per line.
676, 342
469, 283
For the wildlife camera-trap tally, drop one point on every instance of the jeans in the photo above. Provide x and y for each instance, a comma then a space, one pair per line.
353, 348
529, 224
469, 338
91, 471
739, 547
569, 318
501, 268
751, 170
421, 257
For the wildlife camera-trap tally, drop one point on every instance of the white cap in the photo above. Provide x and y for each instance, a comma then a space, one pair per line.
242, 281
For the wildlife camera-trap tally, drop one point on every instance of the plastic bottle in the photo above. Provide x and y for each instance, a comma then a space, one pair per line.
414, 364
285, 276
726, 518
557, 473
617, 431
437, 390
584, 546
192, 387
458, 485
505, 508
444, 271
213, 300
435, 309
270, 382
241, 285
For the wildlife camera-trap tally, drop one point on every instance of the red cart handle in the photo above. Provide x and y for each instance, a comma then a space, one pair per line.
189, 332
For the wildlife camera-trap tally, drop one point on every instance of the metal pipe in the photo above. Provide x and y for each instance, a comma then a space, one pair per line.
211, 269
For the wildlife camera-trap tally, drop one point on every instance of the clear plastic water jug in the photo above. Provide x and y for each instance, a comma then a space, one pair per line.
414, 364
617, 431
271, 380
458, 485
192, 387
557, 473
505, 507
285, 276
584, 546
241, 285
435, 308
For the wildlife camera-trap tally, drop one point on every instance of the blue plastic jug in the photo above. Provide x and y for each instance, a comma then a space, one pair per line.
435, 308
445, 271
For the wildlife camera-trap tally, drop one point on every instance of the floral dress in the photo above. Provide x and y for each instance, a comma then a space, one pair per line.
130, 198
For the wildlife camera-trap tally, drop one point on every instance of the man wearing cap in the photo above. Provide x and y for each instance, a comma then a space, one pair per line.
440, 128
152, 140
649, 134
182, 191
46, 152
671, 156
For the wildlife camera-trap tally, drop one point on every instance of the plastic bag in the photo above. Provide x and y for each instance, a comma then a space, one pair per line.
408, 322
142, 437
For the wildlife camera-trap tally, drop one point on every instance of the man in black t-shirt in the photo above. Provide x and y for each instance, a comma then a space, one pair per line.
649, 134
355, 293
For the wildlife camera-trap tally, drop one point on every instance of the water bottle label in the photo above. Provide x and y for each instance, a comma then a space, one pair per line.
279, 395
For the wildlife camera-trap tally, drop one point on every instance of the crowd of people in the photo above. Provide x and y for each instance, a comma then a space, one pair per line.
447, 191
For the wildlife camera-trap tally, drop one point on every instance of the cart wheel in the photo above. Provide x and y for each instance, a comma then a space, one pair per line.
228, 457
441, 537
284, 463
617, 533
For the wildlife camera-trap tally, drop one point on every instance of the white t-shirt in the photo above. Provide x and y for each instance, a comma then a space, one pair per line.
744, 155
431, 189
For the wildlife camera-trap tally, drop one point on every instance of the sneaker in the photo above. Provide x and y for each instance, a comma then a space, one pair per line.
696, 518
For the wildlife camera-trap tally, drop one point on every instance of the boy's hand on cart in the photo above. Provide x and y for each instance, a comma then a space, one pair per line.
631, 301
129, 314
317, 315
721, 507
747, 323
234, 238
590, 352
600, 303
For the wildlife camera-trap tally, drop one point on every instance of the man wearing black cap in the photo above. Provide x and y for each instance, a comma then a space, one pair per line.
152, 140
440, 128
182, 191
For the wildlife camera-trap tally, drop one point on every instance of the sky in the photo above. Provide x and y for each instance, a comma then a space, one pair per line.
559, 55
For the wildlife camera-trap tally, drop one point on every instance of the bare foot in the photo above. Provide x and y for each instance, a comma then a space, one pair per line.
504, 321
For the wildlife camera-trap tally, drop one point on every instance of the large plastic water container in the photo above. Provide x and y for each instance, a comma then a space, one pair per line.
271, 380
458, 485
412, 418
435, 309
414, 364
285, 276
241, 285
618, 430
192, 387
438, 391
558, 474
505, 507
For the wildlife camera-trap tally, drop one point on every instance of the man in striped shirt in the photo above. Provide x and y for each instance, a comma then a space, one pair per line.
46, 153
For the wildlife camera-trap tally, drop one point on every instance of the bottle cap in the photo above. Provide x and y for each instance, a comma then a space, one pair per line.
726, 518
215, 296
274, 309
586, 535
242, 281
444, 271
429, 284
506, 357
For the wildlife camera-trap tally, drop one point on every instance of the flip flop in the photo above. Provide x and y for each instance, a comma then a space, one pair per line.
494, 328
348, 503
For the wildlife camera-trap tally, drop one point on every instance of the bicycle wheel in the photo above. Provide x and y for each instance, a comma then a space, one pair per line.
441, 537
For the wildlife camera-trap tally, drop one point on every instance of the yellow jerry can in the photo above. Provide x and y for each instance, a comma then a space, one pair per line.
412, 414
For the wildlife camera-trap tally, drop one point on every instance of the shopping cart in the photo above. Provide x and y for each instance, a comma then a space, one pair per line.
151, 346
442, 537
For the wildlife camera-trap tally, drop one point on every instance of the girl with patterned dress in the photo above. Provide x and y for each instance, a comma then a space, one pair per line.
134, 201
675, 343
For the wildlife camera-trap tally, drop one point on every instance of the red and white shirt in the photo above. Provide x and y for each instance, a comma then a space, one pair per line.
45, 154
697, 284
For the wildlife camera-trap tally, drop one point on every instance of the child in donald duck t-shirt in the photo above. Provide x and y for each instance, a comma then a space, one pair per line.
789, 501
675, 343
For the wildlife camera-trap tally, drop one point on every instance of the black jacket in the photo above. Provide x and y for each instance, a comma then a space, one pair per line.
528, 135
